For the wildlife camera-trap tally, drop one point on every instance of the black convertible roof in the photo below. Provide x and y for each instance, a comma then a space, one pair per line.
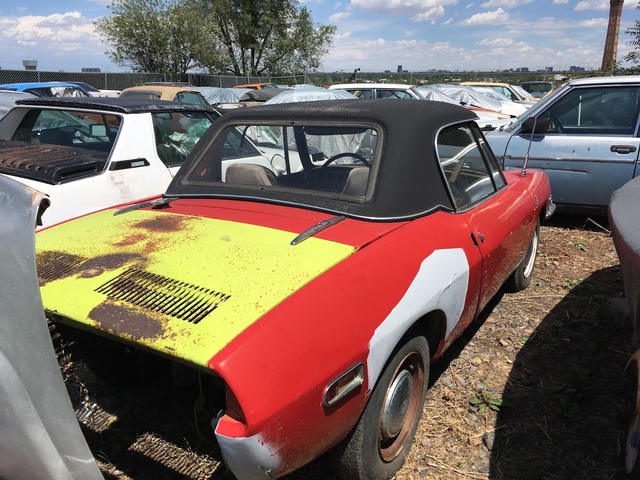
408, 178
115, 104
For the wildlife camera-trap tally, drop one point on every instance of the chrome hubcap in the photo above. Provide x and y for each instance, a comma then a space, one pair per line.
396, 405
530, 256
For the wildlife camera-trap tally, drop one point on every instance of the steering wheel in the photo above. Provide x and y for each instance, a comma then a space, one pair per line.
357, 156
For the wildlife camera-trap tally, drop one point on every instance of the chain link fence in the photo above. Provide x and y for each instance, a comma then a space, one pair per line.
119, 81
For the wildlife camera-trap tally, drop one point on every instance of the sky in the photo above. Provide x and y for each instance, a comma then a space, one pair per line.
373, 35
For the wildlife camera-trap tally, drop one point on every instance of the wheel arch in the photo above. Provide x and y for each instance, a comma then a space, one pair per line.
432, 326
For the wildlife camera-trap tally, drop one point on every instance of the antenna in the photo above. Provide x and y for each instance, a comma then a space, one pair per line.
526, 157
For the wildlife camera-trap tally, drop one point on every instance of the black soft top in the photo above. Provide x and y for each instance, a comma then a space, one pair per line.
408, 178
115, 104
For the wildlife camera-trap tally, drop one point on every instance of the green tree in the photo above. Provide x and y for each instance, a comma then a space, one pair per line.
241, 37
155, 36
258, 37
634, 55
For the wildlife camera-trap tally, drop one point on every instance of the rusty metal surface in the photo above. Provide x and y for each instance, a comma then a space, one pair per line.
51, 164
40, 437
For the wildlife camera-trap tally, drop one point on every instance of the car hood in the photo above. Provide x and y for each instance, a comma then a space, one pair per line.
182, 285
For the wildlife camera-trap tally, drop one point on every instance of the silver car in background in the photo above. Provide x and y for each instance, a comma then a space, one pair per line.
584, 136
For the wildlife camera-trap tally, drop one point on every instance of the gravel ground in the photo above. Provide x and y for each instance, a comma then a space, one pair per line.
534, 389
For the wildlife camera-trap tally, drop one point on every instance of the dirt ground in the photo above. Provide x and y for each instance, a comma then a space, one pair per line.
533, 390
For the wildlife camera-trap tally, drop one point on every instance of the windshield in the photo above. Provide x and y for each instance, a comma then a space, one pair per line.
333, 161
93, 131
522, 92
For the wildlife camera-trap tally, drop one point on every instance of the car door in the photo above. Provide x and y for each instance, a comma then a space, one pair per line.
500, 216
590, 147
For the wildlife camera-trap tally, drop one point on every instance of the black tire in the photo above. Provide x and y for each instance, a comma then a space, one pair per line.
521, 277
632, 445
379, 444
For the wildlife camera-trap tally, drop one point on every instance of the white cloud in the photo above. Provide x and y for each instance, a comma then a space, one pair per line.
51, 39
336, 17
560, 2
495, 42
496, 17
430, 14
592, 5
401, 7
505, 3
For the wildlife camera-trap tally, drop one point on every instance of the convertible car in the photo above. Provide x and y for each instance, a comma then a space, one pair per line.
314, 299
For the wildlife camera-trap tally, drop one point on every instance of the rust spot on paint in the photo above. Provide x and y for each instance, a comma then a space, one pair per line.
125, 320
111, 261
131, 240
52, 265
162, 223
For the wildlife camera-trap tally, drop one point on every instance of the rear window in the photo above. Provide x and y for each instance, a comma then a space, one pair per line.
141, 95
335, 161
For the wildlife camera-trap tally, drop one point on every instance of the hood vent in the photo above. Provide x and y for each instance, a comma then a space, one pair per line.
163, 295
54, 265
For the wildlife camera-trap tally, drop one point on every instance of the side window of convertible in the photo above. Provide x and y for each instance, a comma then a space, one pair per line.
468, 165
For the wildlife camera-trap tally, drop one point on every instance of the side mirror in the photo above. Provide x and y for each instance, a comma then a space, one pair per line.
535, 125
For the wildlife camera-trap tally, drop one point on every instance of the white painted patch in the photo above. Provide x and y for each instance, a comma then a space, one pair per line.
440, 284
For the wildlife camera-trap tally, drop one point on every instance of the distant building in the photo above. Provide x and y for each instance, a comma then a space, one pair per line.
399, 69
30, 64
90, 70
573, 68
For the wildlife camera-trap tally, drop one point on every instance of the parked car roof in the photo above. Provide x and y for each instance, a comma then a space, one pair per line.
165, 92
256, 86
116, 104
43, 89
514, 92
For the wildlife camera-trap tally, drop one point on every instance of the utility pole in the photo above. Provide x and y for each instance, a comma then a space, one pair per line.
613, 31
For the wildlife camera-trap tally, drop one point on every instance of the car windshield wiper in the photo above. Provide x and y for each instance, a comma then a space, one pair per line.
317, 228
157, 203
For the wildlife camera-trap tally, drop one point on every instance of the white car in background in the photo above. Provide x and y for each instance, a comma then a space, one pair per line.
380, 90
90, 153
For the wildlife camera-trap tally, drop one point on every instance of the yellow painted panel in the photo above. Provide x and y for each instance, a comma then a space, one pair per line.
256, 267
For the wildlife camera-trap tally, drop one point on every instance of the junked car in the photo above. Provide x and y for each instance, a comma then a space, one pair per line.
513, 92
314, 300
380, 90
46, 89
96, 152
92, 91
171, 93
584, 135
538, 89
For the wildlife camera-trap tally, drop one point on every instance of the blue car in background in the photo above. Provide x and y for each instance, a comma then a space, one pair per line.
584, 136
46, 89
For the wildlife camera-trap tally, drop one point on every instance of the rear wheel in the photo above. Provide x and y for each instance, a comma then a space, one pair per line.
521, 277
381, 440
